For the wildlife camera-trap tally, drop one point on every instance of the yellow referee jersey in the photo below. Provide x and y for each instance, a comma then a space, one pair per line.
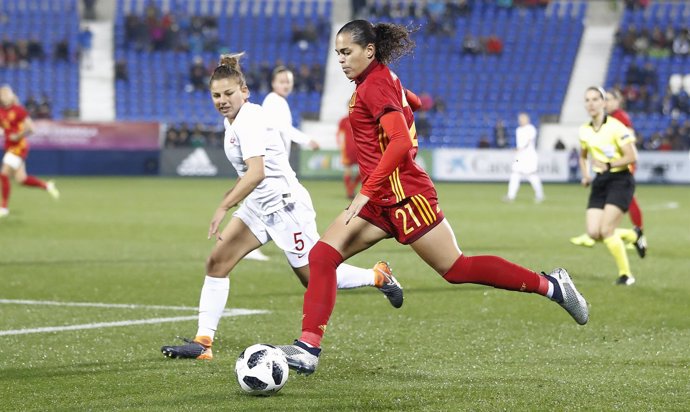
606, 143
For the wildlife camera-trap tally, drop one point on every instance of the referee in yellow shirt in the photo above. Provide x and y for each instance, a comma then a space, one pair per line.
610, 148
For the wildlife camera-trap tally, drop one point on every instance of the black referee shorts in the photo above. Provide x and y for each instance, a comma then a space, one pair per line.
613, 189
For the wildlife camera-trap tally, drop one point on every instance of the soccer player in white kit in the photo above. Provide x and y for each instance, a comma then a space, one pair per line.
273, 205
278, 110
526, 162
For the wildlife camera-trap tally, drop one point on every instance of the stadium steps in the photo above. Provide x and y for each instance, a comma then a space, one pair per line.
97, 91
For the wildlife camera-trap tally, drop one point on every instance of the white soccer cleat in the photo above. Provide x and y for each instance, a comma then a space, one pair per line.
573, 302
53, 190
256, 254
4, 212
300, 357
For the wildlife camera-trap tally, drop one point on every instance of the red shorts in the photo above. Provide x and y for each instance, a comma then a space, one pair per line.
349, 156
408, 220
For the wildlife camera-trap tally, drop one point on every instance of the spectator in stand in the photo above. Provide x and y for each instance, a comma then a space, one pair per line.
45, 108
197, 137
471, 45
494, 45
642, 42
31, 106
197, 75
500, 134
681, 43
35, 49
62, 51
483, 142
121, 70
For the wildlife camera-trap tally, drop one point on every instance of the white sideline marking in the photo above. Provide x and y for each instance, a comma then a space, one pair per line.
227, 313
663, 206
92, 304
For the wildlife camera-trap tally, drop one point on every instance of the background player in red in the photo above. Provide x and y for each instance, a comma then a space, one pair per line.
614, 108
348, 151
16, 126
397, 198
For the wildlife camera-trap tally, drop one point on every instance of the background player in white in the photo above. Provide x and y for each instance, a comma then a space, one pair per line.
277, 108
274, 206
526, 161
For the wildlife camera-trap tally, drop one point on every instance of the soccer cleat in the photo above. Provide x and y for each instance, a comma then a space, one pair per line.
640, 243
582, 240
199, 348
301, 357
52, 190
573, 302
625, 280
256, 254
4, 212
388, 284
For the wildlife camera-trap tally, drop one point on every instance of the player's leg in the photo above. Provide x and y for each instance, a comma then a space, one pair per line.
611, 217
535, 181
439, 249
235, 241
635, 213
338, 243
298, 234
513, 187
5, 190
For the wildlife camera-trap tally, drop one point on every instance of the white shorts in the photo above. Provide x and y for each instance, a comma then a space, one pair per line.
292, 228
12, 160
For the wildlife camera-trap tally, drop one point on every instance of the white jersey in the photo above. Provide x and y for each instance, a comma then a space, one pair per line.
278, 110
526, 155
250, 136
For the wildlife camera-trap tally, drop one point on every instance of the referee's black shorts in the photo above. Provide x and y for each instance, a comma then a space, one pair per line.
612, 188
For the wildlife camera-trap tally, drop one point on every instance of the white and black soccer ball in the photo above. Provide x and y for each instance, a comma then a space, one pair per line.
261, 369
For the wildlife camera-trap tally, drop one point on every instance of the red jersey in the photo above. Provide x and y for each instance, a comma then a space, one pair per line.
347, 146
12, 121
378, 92
623, 117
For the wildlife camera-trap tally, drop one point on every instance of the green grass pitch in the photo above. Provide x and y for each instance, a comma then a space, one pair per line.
142, 242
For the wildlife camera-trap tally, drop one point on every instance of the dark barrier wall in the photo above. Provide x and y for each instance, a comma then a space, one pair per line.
92, 162
77, 148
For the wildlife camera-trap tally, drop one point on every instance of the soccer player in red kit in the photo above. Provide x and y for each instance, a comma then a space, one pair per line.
614, 102
16, 125
397, 198
348, 152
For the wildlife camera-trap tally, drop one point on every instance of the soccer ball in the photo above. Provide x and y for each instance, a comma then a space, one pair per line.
261, 370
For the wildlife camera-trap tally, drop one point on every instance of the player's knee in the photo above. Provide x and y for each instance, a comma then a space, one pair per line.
216, 266
323, 255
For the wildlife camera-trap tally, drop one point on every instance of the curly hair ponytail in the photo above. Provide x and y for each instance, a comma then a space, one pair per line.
392, 41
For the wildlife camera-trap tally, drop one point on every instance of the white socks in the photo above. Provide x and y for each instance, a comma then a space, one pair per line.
214, 296
349, 276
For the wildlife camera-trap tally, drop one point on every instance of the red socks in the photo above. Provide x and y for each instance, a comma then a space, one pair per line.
319, 299
35, 182
635, 213
497, 272
5, 182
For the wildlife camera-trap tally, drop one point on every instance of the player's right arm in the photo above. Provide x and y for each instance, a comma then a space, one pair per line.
584, 166
254, 175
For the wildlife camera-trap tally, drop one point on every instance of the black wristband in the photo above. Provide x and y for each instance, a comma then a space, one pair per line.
608, 166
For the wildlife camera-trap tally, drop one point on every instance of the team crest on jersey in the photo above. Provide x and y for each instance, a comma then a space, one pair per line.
353, 101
